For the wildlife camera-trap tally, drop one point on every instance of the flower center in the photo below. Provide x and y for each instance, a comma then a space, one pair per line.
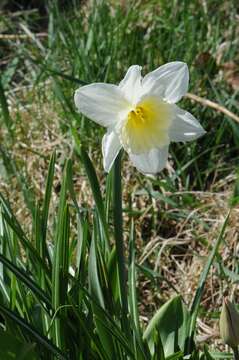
146, 126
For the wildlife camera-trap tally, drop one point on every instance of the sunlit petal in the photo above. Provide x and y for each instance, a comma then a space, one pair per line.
169, 81
151, 162
100, 102
131, 84
184, 126
110, 148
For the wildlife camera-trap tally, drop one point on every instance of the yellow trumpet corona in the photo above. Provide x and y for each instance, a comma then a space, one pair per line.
141, 115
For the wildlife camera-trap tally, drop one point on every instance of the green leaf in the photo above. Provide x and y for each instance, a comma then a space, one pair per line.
233, 276
5, 112
95, 187
201, 284
46, 204
13, 169
10, 71
133, 303
28, 329
234, 200
177, 355
119, 240
94, 284
108, 195
206, 355
221, 355
140, 348
12, 221
22, 275
97, 294
13, 349
158, 353
61, 259
45, 67
113, 273
171, 321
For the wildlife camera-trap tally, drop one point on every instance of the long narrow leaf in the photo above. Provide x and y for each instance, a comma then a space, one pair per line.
22, 275
140, 348
48, 345
95, 187
119, 241
60, 261
16, 227
46, 203
5, 112
201, 284
96, 292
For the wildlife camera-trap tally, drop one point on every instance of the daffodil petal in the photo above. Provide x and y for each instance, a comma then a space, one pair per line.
184, 126
131, 83
169, 81
110, 148
100, 102
151, 162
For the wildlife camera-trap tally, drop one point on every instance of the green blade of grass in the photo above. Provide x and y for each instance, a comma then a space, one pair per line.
12, 348
41, 276
177, 356
90, 335
13, 169
42, 340
140, 348
15, 226
46, 204
22, 275
95, 187
82, 241
60, 260
94, 284
5, 112
96, 292
47, 68
118, 335
159, 351
133, 304
111, 326
11, 288
119, 240
201, 284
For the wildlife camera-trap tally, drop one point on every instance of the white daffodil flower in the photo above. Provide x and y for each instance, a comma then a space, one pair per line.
140, 115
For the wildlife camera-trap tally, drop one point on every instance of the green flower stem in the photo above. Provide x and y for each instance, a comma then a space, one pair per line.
119, 241
236, 353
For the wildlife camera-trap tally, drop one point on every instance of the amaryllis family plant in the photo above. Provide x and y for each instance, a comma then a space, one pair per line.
140, 115
76, 296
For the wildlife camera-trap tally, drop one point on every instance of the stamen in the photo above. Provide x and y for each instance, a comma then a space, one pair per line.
147, 126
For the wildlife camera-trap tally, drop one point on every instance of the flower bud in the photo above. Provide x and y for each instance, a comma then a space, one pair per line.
229, 324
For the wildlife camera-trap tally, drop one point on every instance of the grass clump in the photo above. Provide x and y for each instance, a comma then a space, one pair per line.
59, 279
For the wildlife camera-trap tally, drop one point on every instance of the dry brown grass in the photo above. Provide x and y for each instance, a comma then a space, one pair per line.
175, 249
